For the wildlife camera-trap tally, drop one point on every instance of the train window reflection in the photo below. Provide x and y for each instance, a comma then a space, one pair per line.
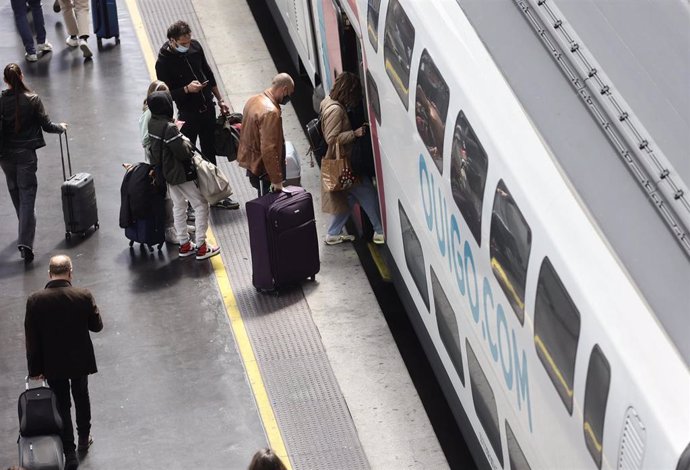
414, 256
373, 22
515, 455
398, 43
484, 402
447, 326
373, 93
468, 167
510, 244
431, 108
556, 332
596, 396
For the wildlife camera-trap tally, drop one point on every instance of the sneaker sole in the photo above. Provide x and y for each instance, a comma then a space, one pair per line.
86, 51
208, 255
189, 253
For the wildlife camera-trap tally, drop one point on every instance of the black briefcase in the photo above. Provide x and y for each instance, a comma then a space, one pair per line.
38, 412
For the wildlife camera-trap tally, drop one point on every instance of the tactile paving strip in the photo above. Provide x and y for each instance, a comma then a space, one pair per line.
308, 404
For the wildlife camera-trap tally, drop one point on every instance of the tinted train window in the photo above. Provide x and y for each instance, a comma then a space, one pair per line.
398, 43
515, 454
556, 331
596, 395
373, 92
447, 326
414, 256
468, 167
431, 108
511, 240
373, 22
484, 402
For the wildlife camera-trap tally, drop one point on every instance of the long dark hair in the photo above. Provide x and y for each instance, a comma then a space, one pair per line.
14, 78
265, 459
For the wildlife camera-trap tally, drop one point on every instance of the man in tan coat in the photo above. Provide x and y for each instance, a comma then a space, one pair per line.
262, 145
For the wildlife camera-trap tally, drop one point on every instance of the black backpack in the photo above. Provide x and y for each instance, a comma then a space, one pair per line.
317, 143
38, 412
227, 135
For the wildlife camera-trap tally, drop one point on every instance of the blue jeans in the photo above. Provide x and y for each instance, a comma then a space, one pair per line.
19, 166
364, 193
20, 10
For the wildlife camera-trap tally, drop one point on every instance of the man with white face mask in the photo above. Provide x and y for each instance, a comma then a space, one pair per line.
183, 67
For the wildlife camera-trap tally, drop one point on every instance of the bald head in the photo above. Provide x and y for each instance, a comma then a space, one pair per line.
60, 267
282, 87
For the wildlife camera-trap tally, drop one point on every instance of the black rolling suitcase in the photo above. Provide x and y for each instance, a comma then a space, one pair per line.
105, 22
78, 198
40, 425
41, 453
142, 213
283, 239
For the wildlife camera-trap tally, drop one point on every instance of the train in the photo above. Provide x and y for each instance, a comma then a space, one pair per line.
535, 210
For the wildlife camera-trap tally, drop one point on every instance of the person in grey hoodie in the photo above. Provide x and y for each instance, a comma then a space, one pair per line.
171, 153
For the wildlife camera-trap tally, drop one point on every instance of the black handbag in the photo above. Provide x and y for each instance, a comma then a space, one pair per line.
38, 412
227, 135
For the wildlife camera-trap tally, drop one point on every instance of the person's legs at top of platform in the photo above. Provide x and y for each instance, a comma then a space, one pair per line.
77, 16
181, 195
20, 167
20, 8
365, 193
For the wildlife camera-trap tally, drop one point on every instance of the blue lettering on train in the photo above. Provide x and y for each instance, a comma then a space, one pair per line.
498, 335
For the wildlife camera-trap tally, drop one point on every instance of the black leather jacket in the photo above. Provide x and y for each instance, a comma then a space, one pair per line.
32, 121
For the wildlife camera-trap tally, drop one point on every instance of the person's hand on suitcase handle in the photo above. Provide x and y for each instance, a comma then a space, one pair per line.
64, 126
276, 187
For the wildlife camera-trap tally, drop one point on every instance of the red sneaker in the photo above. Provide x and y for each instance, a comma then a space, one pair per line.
188, 249
206, 251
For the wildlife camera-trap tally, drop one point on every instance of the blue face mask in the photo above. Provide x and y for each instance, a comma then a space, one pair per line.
181, 48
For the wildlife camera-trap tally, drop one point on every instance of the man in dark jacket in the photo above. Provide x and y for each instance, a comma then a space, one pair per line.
59, 348
183, 67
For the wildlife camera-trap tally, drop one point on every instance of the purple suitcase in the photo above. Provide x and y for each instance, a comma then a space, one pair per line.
282, 237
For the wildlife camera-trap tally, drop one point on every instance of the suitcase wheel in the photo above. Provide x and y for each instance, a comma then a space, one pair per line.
100, 44
131, 243
96, 226
313, 278
68, 235
83, 234
160, 246
150, 247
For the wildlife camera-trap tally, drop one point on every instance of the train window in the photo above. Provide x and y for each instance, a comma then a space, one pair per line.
556, 331
414, 256
373, 92
484, 402
373, 22
510, 244
515, 455
596, 395
431, 108
398, 43
447, 326
468, 167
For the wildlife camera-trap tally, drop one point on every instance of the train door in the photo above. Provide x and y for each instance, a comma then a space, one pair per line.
351, 60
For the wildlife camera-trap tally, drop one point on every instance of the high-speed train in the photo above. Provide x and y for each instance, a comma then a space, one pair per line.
532, 167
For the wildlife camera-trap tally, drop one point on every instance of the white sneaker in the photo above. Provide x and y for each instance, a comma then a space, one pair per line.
84, 46
72, 42
337, 239
31, 57
43, 48
378, 238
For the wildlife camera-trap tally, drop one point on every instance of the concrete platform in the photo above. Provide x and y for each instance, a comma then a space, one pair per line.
172, 390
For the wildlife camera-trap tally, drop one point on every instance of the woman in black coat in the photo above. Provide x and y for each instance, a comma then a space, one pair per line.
23, 121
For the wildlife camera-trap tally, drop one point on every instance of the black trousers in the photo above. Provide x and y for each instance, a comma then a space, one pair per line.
82, 408
201, 126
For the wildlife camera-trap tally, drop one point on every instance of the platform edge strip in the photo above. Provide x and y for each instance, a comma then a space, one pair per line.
275, 439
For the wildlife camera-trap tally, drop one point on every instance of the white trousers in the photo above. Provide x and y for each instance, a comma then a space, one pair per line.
180, 195
77, 16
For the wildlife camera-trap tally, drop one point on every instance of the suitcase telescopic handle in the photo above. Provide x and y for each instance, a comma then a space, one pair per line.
62, 156
27, 382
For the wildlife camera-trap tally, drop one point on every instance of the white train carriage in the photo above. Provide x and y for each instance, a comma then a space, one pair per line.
553, 299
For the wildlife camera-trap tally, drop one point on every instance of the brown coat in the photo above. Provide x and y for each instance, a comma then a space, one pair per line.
336, 131
57, 324
261, 139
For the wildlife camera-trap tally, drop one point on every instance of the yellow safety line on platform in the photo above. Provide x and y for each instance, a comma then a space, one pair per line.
251, 367
379, 262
